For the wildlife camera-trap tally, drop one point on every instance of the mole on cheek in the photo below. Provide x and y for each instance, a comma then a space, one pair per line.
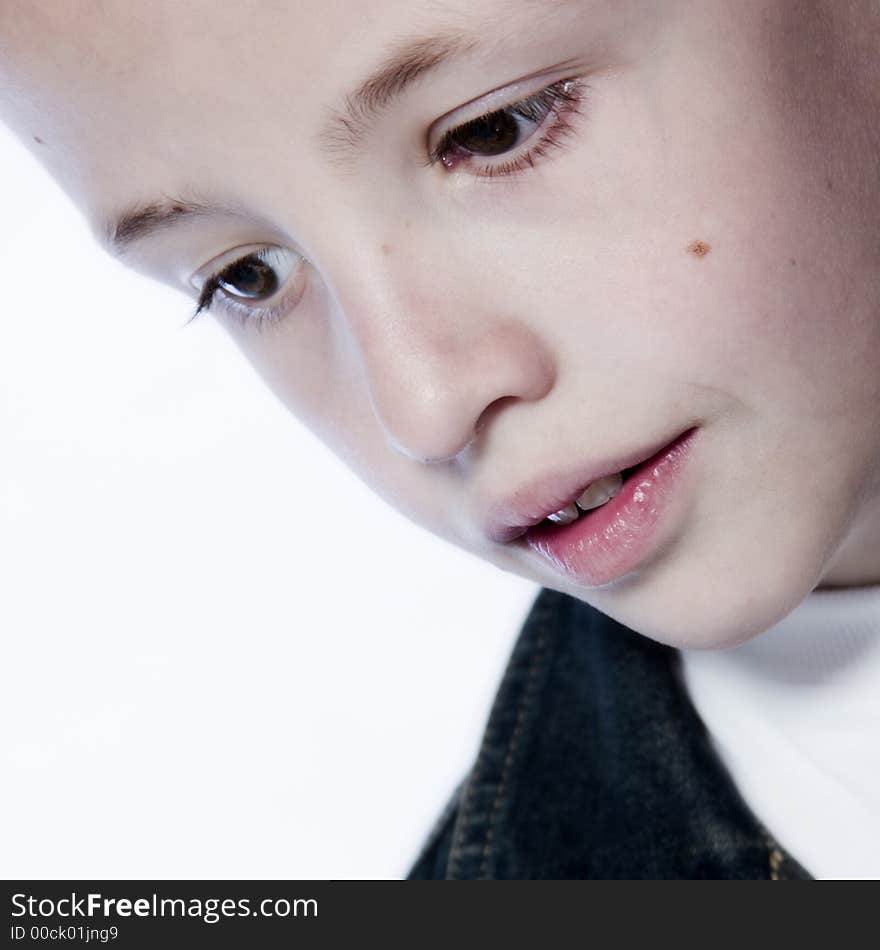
386, 248
699, 248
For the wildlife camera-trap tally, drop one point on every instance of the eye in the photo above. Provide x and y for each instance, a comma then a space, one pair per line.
543, 120
259, 285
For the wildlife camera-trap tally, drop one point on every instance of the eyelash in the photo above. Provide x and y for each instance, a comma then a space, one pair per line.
257, 317
561, 100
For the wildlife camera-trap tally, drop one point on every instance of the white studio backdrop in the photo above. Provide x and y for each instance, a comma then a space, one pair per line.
186, 693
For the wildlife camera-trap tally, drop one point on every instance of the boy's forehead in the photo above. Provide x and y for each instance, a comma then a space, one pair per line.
127, 63
88, 84
135, 34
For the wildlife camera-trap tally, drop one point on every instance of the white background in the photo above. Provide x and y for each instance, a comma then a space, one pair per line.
185, 692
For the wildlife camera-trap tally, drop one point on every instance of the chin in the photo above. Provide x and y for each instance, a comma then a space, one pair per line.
690, 606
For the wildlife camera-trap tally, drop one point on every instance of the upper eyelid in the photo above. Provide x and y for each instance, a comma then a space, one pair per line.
502, 97
211, 270
560, 97
207, 290
210, 288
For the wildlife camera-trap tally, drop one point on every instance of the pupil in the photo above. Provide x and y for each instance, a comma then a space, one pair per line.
250, 278
489, 135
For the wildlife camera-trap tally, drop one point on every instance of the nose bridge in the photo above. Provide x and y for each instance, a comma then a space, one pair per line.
438, 345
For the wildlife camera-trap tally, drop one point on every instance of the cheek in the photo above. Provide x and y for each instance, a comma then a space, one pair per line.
708, 245
742, 276
320, 382
773, 313
311, 372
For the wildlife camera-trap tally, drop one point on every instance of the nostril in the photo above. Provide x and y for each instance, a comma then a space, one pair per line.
436, 389
492, 410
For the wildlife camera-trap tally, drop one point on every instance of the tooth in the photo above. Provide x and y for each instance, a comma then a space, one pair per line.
565, 515
599, 492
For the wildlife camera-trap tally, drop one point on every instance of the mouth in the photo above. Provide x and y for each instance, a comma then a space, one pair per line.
594, 495
599, 493
607, 532
556, 501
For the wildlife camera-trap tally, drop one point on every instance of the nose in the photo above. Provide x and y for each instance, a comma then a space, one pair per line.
441, 361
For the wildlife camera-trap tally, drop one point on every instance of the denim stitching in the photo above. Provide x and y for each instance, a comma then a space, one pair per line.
539, 619
457, 846
439, 827
775, 863
782, 866
525, 705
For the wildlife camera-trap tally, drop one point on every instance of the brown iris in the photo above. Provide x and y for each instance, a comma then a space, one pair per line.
488, 135
250, 277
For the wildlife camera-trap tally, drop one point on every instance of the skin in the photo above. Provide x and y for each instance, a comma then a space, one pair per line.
701, 250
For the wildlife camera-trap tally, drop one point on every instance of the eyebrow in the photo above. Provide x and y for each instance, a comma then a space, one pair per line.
341, 134
344, 131
143, 220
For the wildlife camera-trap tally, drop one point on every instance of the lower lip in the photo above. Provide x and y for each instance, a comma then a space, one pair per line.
607, 543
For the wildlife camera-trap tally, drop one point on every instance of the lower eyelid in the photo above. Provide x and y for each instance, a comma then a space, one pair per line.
288, 298
556, 124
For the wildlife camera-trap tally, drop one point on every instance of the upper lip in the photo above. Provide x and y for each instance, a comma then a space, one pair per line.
509, 517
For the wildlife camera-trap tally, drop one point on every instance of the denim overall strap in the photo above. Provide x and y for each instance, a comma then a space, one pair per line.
595, 764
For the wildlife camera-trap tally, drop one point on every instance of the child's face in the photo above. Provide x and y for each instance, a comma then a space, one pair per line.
684, 236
